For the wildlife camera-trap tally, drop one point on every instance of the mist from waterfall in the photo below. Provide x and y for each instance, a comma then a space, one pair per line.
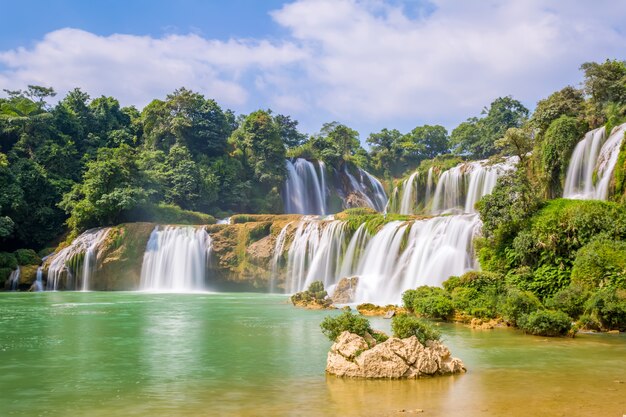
176, 259
594, 153
399, 256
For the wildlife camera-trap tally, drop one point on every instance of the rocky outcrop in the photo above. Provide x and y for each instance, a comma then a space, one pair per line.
351, 356
369, 309
345, 290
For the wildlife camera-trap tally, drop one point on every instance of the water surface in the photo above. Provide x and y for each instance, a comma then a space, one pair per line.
139, 354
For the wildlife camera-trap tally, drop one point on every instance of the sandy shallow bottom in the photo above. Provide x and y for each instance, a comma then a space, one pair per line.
137, 354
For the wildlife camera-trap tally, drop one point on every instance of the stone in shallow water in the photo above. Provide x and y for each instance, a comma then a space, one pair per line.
395, 358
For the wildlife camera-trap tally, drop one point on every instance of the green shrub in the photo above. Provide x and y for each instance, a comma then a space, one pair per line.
5, 273
408, 297
432, 302
516, 303
588, 323
8, 260
332, 327
27, 257
168, 214
315, 292
608, 307
602, 262
570, 300
478, 304
545, 323
403, 326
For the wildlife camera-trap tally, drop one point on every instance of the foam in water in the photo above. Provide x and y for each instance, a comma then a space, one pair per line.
86, 244
595, 152
456, 191
176, 259
401, 255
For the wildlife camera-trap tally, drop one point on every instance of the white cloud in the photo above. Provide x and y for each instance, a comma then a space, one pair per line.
137, 69
366, 63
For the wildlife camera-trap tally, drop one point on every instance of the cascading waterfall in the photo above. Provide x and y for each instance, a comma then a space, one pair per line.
401, 255
14, 279
594, 153
38, 285
86, 244
176, 259
456, 191
305, 188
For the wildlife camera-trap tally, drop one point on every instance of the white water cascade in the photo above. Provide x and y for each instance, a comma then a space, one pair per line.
595, 152
85, 244
456, 191
401, 255
14, 279
305, 189
176, 259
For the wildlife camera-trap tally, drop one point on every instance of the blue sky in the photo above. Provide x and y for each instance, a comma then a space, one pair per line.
367, 63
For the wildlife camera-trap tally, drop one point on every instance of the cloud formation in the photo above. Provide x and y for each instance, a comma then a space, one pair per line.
367, 63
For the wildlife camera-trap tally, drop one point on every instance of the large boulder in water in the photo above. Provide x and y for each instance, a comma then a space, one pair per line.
345, 290
351, 356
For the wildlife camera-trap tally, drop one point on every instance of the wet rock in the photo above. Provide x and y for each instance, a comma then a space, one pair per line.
345, 290
369, 309
350, 356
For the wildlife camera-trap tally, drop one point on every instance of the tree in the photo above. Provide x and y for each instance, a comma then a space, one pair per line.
517, 141
112, 186
258, 139
604, 84
476, 137
384, 151
288, 130
566, 102
345, 139
186, 118
431, 140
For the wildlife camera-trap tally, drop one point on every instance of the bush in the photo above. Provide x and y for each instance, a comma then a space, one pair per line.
315, 293
403, 326
8, 260
602, 262
545, 323
27, 257
474, 303
570, 300
588, 323
517, 303
332, 327
431, 302
608, 307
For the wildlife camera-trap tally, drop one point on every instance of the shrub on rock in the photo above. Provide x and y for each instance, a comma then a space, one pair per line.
404, 325
545, 323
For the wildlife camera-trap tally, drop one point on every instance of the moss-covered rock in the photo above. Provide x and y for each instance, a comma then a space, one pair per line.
27, 257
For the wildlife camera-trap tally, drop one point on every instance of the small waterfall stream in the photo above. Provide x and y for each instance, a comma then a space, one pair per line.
14, 279
67, 263
401, 255
176, 259
594, 153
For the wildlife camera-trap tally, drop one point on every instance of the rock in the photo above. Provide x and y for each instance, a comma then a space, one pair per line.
389, 314
345, 290
481, 324
613, 332
351, 356
369, 309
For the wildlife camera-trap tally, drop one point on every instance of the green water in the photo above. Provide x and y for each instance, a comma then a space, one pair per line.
132, 354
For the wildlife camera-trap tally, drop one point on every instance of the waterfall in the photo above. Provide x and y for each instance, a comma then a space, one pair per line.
38, 284
401, 255
305, 188
456, 191
175, 259
594, 153
14, 279
67, 262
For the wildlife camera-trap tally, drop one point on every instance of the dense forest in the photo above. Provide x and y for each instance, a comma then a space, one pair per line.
86, 162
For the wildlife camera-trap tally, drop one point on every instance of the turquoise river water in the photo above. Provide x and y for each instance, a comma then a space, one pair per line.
138, 354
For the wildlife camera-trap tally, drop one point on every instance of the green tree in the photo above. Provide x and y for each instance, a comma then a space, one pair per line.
431, 140
604, 84
476, 137
186, 118
566, 102
288, 130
